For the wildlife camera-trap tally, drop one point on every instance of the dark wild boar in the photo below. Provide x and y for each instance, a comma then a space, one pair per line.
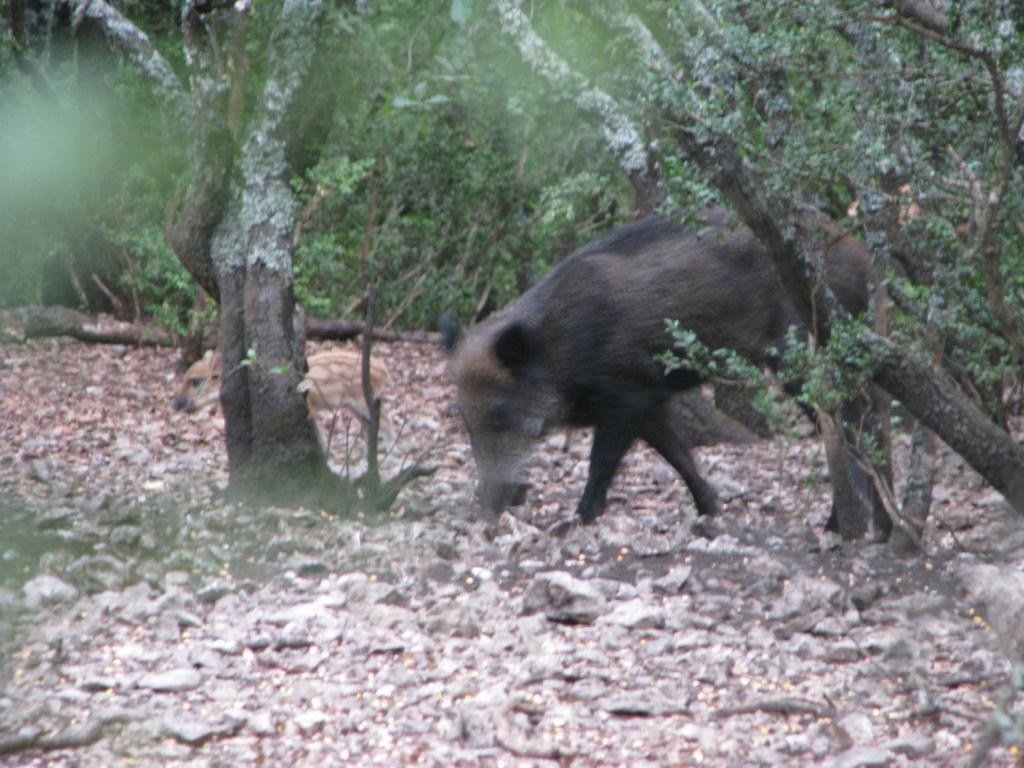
578, 349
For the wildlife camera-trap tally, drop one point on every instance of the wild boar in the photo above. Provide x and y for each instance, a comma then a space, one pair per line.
334, 382
578, 349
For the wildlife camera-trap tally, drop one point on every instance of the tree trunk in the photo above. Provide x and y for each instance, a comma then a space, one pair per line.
846, 518
917, 498
233, 228
234, 389
923, 391
276, 449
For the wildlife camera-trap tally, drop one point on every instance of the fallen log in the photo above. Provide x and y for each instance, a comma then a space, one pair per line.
17, 325
341, 330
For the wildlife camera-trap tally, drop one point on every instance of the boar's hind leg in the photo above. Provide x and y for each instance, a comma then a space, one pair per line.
612, 438
660, 432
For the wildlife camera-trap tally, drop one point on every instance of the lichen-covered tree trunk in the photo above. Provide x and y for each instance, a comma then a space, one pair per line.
234, 231
273, 448
636, 156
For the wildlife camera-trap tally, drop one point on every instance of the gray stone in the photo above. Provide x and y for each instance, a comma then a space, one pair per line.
641, 703
635, 614
672, 582
174, 680
214, 591
47, 590
39, 469
310, 721
262, 724
1000, 590
98, 683
857, 728
564, 598
912, 745
187, 619
860, 757
829, 626
188, 731
804, 593
843, 652
194, 732
303, 612
475, 726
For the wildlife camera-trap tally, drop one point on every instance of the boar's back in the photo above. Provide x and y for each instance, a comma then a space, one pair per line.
600, 314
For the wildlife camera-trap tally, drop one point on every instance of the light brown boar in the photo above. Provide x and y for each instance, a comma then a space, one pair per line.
334, 381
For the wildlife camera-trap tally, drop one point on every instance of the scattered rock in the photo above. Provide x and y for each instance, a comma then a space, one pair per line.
564, 598
47, 590
672, 582
635, 614
860, 757
805, 593
912, 745
856, 728
440, 632
185, 679
194, 732
1000, 590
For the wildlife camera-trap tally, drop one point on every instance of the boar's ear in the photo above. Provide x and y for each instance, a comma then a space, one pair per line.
450, 332
512, 347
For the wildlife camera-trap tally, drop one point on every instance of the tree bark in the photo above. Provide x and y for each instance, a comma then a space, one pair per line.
917, 497
625, 140
923, 391
280, 452
235, 237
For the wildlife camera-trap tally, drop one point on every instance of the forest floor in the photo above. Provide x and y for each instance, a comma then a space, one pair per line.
144, 621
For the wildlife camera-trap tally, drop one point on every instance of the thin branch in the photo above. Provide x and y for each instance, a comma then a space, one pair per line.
621, 133
122, 35
925, 13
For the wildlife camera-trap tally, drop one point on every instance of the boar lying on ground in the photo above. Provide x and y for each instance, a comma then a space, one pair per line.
578, 349
335, 382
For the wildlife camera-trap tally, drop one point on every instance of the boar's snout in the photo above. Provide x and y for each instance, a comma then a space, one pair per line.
180, 403
495, 497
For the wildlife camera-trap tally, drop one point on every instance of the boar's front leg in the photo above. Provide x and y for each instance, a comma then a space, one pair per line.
661, 432
612, 438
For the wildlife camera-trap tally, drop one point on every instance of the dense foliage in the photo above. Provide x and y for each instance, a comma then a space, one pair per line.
453, 176
446, 177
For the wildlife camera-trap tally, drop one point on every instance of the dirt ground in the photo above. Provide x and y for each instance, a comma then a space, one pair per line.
145, 621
